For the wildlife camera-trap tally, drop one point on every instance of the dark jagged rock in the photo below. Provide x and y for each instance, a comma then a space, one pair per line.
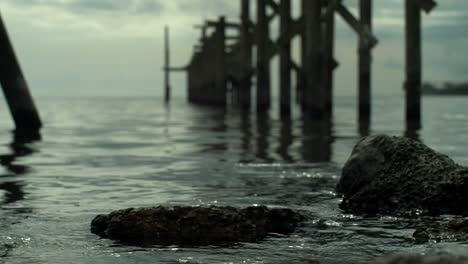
422, 259
452, 231
199, 225
392, 175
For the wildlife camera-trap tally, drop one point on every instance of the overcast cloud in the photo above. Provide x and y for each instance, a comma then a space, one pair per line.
101, 47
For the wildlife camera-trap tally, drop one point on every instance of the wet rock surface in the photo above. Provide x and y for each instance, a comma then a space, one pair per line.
199, 225
395, 175
452, 231
422, 259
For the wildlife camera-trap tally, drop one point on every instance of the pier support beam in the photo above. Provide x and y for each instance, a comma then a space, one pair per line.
314, 92
329, 63
285, 58
364, 78
15, 89
246, 56
263, 57
413, 63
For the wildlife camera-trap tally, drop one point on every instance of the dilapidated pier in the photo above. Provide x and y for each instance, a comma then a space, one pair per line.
227, 66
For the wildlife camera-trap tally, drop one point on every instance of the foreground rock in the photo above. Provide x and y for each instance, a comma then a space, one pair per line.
391, 175
201, 225
422, 259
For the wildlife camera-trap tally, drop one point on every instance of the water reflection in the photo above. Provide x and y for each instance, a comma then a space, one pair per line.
286, 140
317, 139
263, 137
20, 148
412, 131
364, 128
246, 137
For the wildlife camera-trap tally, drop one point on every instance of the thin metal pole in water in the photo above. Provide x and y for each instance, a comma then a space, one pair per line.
167, 86
15, 88
413, 63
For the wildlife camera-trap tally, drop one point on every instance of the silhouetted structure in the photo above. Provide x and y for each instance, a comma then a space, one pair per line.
167, 65
15, 89
217, 63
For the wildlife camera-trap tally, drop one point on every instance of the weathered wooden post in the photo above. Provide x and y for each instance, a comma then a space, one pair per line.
314, 92
167, 87
329, 63
263, 57
246, 56
413, 59
15, 89
364, 75
413, 63
301, 75
285, 58
221, 80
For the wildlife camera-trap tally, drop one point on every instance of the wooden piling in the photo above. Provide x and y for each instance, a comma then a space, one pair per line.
329, 60
246, 56
314, 92
413, 63
301, 75
221, 67
167, 87
285, 58
364, 64
263, 57
15, 88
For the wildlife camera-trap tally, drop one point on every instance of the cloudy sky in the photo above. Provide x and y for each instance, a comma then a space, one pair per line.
114, 47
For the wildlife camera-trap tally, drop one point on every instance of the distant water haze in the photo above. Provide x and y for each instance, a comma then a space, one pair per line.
115, 48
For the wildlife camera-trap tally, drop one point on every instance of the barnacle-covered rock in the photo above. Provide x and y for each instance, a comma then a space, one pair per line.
392, 175
197, 225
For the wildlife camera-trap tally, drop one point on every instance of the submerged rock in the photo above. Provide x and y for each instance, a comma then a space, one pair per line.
422, 259
390, 175
452, 231
199, 225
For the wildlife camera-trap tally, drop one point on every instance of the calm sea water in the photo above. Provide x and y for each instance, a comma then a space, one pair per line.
103, 154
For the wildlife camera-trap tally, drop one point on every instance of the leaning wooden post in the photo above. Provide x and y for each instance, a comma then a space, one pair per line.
314, 92
329, 63
14, 87
285, 58
263, 57
167, 87
413, 63
364, 78
246, 56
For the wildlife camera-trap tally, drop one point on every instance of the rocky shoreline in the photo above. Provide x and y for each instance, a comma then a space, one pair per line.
383, 176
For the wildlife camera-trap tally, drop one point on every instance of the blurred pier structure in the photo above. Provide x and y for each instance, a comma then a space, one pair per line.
225, 67
15, 89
